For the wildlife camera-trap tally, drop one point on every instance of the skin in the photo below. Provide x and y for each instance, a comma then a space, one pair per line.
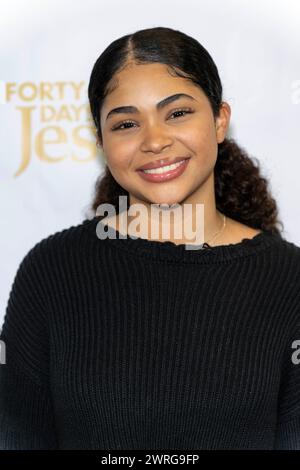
156, 134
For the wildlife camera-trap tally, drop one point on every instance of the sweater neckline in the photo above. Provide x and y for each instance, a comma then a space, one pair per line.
172, 252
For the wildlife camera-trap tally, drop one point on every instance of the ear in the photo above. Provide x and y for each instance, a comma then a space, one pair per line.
100, 146
99, 143
222, 121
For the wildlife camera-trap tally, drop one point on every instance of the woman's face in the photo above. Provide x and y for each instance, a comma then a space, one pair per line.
147, 133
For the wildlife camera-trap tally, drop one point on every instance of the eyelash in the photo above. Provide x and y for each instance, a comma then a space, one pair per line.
181, 110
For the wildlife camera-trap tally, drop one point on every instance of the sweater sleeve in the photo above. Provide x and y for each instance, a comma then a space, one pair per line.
288, 420
26, 413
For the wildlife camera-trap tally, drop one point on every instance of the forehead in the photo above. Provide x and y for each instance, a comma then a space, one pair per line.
147, 71
146, 84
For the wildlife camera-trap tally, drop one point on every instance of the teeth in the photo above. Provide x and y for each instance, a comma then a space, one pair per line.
163, 169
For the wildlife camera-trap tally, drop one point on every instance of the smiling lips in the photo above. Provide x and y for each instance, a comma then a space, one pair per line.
161, 163
158, 173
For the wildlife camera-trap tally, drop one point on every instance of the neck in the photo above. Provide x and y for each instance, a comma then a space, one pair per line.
179, 224
193, 220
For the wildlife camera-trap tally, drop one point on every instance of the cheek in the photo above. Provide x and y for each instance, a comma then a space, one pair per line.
201, 140
200, 128
120, 154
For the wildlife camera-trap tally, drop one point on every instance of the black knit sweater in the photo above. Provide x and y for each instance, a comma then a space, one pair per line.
138, 344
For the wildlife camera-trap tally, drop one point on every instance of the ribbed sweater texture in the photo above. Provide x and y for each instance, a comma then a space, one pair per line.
130, 343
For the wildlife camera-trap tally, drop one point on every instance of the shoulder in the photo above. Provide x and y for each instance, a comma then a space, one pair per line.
284, 248
238, 231
59, 244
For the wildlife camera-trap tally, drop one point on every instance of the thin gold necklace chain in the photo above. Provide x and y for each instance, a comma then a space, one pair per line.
220, 231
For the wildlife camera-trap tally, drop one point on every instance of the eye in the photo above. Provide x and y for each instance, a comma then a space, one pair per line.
122, 124
181, 110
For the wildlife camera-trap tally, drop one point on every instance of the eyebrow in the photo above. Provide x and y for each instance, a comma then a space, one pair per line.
159, 105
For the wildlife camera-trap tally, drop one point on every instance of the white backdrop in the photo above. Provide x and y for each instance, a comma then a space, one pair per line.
47, 50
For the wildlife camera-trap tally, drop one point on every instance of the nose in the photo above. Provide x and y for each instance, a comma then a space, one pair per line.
156, 139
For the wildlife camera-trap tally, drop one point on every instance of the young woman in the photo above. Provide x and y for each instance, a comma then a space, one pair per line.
134, 341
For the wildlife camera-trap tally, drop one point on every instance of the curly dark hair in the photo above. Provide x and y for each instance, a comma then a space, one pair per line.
241, 192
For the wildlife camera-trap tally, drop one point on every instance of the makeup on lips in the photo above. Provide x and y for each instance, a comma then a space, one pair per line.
161, 170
